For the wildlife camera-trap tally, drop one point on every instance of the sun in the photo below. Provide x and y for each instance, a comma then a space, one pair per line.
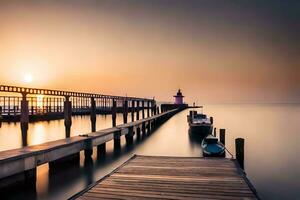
27, 78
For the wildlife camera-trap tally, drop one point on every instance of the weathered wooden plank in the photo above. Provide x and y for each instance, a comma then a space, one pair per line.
145, 177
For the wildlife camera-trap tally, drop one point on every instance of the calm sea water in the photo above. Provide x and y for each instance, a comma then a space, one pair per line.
271, 135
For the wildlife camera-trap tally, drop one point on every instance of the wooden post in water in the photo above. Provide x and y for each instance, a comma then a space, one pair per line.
239, 151
125, 111
114, 113
93, 114
24, 119
138, 132
215, 131
129, 136
68, 115
132, 110
117, 140
101, 150
137, 110
88, 149
222, 136
211, 120
144, 128
153, 108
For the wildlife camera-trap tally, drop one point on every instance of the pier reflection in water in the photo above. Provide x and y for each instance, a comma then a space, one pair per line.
266, 129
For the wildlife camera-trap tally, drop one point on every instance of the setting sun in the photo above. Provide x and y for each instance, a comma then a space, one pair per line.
27, 78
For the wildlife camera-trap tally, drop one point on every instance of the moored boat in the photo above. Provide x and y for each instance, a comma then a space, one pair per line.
199, 123
211, 147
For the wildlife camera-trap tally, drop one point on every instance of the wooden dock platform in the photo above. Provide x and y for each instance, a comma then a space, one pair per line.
148, 177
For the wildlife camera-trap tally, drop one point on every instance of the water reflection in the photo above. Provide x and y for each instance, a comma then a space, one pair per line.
266, 129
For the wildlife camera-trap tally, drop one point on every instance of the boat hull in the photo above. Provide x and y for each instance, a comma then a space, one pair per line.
202, 129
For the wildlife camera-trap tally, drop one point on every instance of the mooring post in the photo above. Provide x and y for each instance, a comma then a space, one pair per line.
148, 108
114, 113
215, 131
222, 136
211, 120
125, 111
24, 119
143, 109
68, 115
137, 110
132, 110
93, 114
239, 151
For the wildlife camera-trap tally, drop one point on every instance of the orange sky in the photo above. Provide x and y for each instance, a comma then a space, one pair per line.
215, 52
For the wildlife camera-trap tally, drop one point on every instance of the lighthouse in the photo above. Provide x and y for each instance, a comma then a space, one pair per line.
178, 98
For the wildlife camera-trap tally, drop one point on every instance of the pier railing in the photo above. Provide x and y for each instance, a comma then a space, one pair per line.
33, 103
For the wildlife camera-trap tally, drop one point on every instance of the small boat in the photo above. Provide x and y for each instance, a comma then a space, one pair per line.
199, 123
211, 147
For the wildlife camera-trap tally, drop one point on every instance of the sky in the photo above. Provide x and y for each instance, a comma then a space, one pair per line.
216, 51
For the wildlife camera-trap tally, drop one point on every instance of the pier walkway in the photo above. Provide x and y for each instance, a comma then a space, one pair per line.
147, 177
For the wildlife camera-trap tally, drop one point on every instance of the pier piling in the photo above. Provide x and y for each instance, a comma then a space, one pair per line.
144, 128
93, 114
1, 117
239, 151
88, 150
114, 113
129, 136
222, 136
125, 111
137, 110
117, 140
132, 110
101, 150
148, 108
24, 119
143, 109
68, 115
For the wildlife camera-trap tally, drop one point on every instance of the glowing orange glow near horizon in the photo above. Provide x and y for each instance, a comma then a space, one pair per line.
148, 50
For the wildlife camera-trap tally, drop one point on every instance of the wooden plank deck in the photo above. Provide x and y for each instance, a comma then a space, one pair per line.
147, 177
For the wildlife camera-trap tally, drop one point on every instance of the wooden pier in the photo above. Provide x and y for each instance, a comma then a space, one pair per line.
19, 165
147, 177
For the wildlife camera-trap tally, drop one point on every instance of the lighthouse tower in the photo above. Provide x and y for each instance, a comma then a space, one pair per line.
178, 98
